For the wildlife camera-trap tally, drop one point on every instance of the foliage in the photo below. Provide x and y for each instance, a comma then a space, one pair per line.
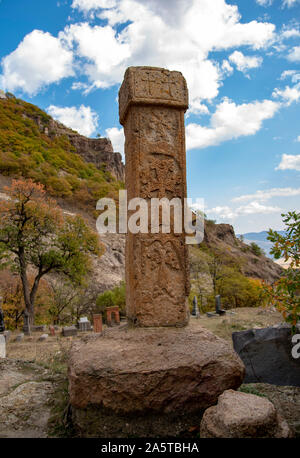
25, 150
285, 293
218, 272
34, 233
112, 297
255, 249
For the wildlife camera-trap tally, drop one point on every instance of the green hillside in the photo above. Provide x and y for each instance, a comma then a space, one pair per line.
25, 150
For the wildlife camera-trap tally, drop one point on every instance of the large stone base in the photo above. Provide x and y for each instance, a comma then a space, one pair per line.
150, 371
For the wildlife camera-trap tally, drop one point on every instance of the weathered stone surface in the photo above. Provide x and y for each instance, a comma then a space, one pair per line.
43, 337
19, 337
242, 415
267, 355
152, 102
97, 321
148, 369
68, 331
7, 335
38, 328
2, 346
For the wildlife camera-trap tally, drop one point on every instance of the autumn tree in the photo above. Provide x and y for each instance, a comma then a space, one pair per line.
285, 293
35, 234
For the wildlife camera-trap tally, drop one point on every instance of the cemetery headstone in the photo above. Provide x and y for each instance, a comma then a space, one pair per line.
38, 328
2, 346
97, 321
52, 330
19, 337
26, 325
112, 316
69, 331
43, 337
195, 311
84, 324
152, 102
219, 310
7, 335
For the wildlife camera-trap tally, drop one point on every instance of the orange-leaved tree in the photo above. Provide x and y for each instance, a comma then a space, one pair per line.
35, 234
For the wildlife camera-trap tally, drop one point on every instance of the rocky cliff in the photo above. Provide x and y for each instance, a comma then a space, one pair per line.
222, 237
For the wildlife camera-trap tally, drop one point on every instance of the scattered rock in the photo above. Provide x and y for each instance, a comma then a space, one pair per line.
243, 415
267, 355
43, 337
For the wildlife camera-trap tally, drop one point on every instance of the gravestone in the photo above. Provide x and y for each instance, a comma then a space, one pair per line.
26, 325
112, 316
2, 346
84, 324
195, 311
2, 325
38, 328
52, 330
43, 337
19, 337
69, 331
7, 335
152, 103
97, 321
219, 310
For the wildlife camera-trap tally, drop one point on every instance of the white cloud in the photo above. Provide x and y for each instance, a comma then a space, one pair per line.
288, 94
255, 207
175, 35
290, 32
230, 121
264, 2
298, 138
293, 74
83, 119
39, 60
244, 63
290, 162
252, 208
268, 194
197, 108
290, 3
117, 138
294, 54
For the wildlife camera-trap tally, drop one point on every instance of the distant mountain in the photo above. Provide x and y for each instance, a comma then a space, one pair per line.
260, 238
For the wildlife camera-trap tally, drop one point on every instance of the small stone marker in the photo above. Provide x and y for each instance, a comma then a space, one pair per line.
97, 320
84, 324
2, 326
52, 330
219, 311
69, 331
195, 311
152, 103
26, 326
38, 328
43, 337
2, 346
19, 337
7, 335
112, 316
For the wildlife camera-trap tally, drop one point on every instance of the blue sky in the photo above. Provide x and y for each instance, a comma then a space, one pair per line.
241, 60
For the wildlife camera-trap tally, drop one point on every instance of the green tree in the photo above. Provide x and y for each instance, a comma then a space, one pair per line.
112, 297
35, 234
285, 293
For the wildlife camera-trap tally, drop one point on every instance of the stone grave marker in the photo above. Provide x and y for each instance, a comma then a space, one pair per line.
152, 102
2, 346
68, 331
43, 337
84, 324
195, 311
97, 320
19, 337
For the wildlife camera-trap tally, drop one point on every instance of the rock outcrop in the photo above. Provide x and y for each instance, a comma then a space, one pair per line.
222, 237
243, 415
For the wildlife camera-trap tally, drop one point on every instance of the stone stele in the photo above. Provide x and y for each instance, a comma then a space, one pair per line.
154, 366
152, 102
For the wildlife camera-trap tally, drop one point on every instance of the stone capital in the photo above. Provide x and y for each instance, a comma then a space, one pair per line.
152, 86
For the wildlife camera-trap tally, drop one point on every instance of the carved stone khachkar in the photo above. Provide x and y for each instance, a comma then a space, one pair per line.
152, 102
144, 375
